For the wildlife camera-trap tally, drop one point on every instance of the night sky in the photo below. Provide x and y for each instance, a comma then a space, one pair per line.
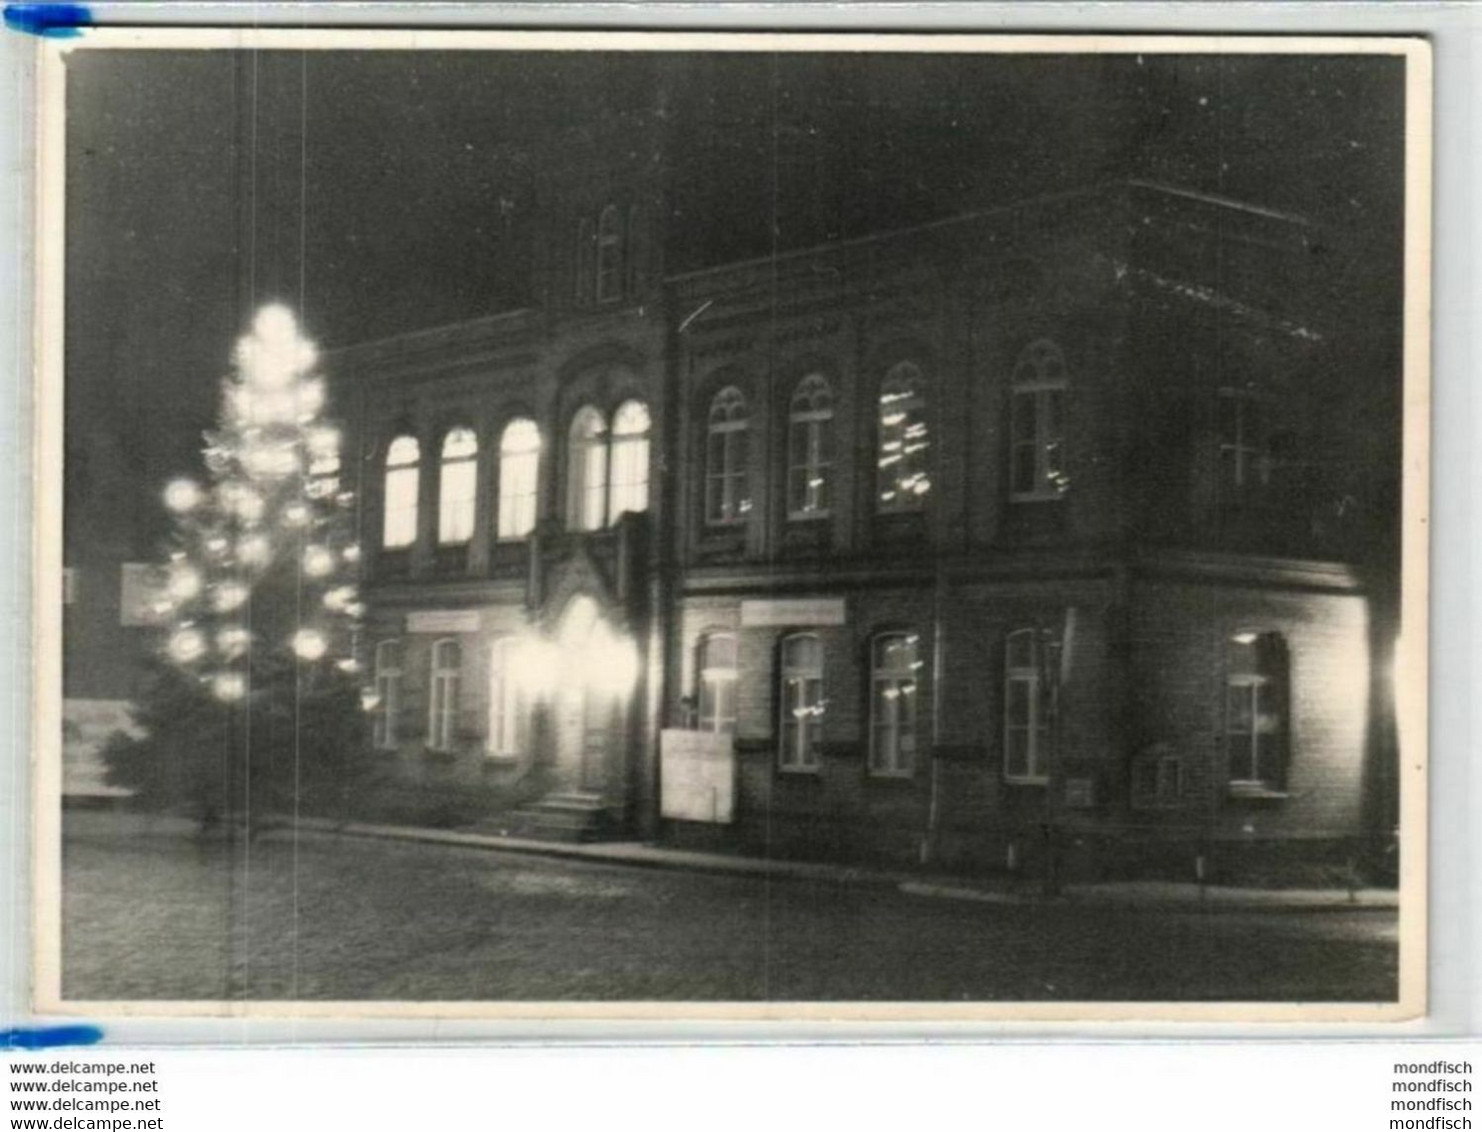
381, 192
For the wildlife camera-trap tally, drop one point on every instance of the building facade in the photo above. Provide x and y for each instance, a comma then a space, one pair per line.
1039, 530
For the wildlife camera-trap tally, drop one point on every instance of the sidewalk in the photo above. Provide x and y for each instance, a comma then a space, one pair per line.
1127, 894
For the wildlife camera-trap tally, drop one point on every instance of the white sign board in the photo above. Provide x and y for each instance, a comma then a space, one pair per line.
786, 611
443, 621
697, 776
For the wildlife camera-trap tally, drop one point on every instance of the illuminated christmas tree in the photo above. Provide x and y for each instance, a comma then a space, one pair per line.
258, 599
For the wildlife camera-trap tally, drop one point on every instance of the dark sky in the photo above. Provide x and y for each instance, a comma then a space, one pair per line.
384, 191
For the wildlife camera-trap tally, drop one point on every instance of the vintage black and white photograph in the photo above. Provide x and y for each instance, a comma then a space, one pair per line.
543, 521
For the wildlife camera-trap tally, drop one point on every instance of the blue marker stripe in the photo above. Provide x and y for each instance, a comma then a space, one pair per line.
54, 21
48, 1037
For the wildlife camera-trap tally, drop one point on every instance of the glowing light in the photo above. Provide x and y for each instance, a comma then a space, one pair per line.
537, 666
324, 443
216, 546
247, 504
182, 496
349, 664
295, 515
339, 598
228, 596
309, 644
232, 641
1246, 638
318, 562
355, 609
186, 645
272, 461
309, 398
228, 686
253, 550
352, 553
184, 582
369, 700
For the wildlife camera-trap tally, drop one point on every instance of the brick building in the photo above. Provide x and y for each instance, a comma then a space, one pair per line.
1043, 525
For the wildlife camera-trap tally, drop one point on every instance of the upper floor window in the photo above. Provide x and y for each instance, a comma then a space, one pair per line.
586, 484
388, 694
610, 254
716, 660
1029, 703
630, 440
895, 666
585, 261
446, 691
904, 478
457, 487
323, 450
1037, 423
1256, 699
519, 478
727, 490
810, 448
399, 527
800, 701
1244, 439
504, 700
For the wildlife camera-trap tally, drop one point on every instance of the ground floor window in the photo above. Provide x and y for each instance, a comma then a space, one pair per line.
1029, 703
388, 694
895, 665
800, 696
447, 677
1256, 696
504, 701
717, 662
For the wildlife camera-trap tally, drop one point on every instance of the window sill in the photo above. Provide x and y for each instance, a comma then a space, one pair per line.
439, 754
1026, 780
1037, 497
899, 777
1256, 791
808, 516
805, 773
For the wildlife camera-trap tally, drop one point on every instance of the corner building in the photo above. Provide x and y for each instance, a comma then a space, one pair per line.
1046, 527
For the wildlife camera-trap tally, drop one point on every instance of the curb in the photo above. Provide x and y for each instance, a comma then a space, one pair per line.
643, 856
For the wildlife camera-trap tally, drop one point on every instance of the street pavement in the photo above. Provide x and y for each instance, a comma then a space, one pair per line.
155, 913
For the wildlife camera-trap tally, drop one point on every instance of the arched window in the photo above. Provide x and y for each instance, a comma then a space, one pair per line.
895, 667
1031, 657
810, 449
399, 528
630, 439
1256, 711
800, 700
727, 494
610, 254
584, 261
904, 477
446, 688
519, 478
633, 247
716, 661
586, 483
1036, 451
457, 489
504, 700
388, 694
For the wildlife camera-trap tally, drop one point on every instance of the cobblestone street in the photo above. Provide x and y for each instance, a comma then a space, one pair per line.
161, 915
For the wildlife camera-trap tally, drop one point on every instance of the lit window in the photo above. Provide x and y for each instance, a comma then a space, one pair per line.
400, 527
727, 494
1029, 703
457, 487
630, 436
519, 478
1256, 679
810, 449
903, 478
895, 669
447, 678
388, 694
1037, 448
504, 700
586, 488
717, 664
1245, 440
584, 261
323, 450
610, 254
800, 696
